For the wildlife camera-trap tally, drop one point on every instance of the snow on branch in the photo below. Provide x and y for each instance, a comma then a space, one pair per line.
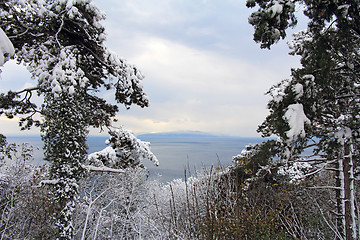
64, 64
320, 169
103, 169
128, 146
48, 182
296, 119
125, 150
275, 9
296, 171
343, 134
6, 48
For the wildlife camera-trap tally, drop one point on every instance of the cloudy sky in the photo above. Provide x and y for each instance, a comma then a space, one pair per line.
203, 71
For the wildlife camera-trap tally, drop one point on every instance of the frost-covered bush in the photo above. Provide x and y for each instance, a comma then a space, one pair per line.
111, 204
213, 204
115, 206
220, 205
25, 212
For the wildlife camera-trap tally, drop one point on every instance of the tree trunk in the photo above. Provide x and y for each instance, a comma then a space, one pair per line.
350, 222
64, 134
345, 196
340, 222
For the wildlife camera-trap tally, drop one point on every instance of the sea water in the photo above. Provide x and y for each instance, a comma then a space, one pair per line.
174, 152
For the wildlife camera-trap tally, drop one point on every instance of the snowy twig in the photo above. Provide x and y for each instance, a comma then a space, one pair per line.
47, 182
99, 217
80, 27
20, 34
320, 169
311, 160
90, 206
24, 32
347, 96
103, 169
99, 59
329, 27
325, 187
331, 169
61, 26
333, 228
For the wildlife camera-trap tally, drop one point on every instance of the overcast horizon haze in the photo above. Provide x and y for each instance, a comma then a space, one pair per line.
203, 71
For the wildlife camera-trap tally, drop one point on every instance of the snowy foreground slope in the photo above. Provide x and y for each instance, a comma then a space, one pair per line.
232, 203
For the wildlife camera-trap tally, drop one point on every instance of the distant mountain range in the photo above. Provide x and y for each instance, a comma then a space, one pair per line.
183, 134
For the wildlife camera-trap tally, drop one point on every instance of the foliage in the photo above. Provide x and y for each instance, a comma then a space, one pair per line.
326, 85
271, 20
6, 149
319, 106
253, 158
273, 17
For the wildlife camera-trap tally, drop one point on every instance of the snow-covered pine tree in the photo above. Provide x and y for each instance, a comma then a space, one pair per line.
65, 132
319, 106
61, 42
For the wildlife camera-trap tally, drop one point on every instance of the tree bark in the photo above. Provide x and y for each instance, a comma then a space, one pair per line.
340, 195
345, 196
350, 220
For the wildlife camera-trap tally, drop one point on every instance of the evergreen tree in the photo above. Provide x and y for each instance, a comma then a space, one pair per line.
319, 105
61, 42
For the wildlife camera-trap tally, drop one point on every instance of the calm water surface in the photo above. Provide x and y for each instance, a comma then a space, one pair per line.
175, 153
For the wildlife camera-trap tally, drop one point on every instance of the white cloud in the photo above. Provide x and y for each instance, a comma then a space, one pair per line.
197, 90
203, 72
193, 89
